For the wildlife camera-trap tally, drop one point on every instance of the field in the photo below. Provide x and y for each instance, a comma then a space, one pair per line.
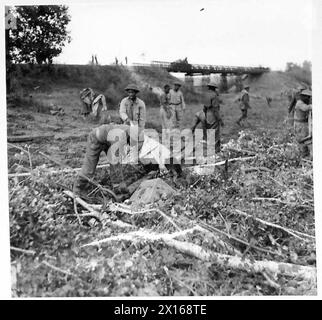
53, 254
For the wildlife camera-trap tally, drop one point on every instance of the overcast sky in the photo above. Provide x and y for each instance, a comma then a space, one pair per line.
228, 32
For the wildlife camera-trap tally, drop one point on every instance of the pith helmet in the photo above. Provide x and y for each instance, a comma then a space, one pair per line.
178, 83
301, 88
132, 87
85, 92
306, 93
212, 84
246, 86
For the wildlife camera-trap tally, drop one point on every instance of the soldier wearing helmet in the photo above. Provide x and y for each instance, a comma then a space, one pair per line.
132, 109
303, 108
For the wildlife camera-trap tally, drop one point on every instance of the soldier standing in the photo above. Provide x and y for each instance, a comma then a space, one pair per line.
132, 109
166, 113
210, 117
244, 104
291, 107
177, 104
301, 116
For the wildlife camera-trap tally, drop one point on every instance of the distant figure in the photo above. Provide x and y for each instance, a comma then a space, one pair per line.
126, 60
244, 104
92, 59
295, 96
116, 61
268, 101
210, 117
177, 103
95, 104
96, 59
166, 112
301, 117
132, 109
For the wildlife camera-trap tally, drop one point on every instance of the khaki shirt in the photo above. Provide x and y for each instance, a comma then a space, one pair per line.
244, 100
133, 110
176, 99
302, 111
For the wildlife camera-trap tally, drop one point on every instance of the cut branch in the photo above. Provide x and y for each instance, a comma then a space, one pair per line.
270, 224
224, 260
31, 252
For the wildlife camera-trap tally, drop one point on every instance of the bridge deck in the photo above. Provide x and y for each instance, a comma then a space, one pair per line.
204, 69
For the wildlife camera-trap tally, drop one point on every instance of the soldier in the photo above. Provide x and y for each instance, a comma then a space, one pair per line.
122, 144
100, 139
244, 104
210, 117
132, 109
94, 103
177, 104
301, 115
291, 107
166, 112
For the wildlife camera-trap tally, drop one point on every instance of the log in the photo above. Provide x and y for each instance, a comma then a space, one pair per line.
28, 138
223, 260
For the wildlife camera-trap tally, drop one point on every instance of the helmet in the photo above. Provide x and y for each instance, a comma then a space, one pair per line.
246, 86
212, 84
306, 93
177, 83
132, 87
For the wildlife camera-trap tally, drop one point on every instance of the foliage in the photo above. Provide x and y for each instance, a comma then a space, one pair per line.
40, 34
40, 220
302, 72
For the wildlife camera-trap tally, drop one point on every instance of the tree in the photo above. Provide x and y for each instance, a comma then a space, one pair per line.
40, 34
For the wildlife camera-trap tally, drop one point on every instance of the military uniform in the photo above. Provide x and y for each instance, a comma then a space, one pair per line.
94, 103
177, 105
291, 108
210, 118
244, 105
301, 127
167, 114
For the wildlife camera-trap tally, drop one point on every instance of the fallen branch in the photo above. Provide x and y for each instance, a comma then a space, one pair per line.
31, 252
27, 138
57, 269
282, 202
98, 215
250, 169
270, 224
223, 260
199, 168
65, 170
229, 236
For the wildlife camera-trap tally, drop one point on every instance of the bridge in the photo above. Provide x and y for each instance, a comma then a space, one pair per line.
204, 69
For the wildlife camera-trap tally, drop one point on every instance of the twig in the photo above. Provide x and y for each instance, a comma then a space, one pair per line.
270, 224
64, 170
51, 159
270, 281
281, 201
57, 269
76, 211
32, 252
237, 239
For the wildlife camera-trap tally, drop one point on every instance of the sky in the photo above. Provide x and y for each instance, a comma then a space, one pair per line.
227, 32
